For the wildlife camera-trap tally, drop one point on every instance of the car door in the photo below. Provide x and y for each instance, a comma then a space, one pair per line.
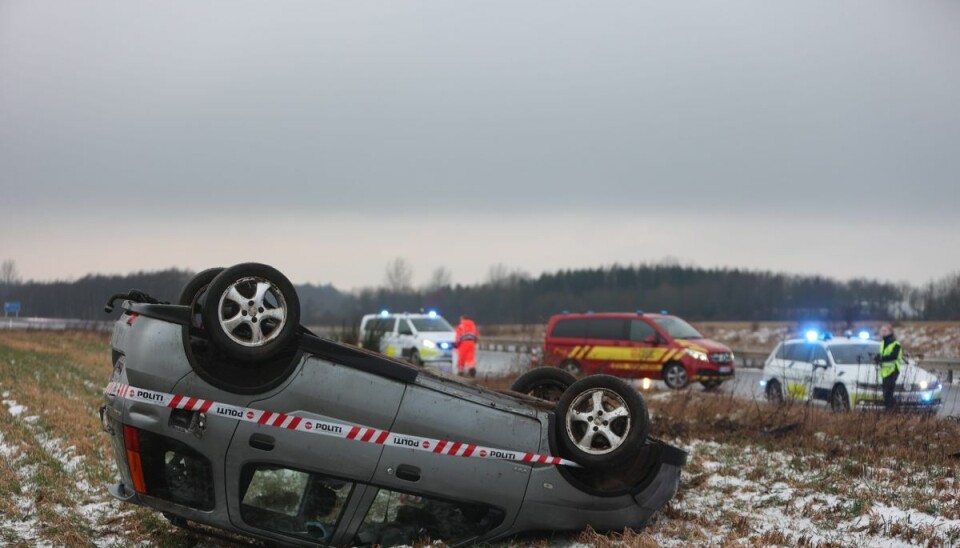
797, 369
406, 339
609, 347
647, 347
269, 468
821, 374
388, 339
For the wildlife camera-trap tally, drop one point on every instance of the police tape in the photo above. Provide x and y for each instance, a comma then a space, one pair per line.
326, 428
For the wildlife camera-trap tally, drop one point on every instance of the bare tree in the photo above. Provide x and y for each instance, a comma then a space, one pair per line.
441, 277
8, 273
398, 275
500, 275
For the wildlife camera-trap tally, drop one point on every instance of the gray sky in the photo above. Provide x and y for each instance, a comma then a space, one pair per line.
328, 137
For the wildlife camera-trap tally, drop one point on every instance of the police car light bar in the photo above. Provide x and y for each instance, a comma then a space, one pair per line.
384, 313
812, 335
864, 334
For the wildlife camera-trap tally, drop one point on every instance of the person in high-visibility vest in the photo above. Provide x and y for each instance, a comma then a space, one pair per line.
889, 359
467, 336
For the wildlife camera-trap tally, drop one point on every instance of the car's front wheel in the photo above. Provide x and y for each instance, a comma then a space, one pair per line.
546, 383
675, 376
711, 385
192, 294
839, 400
602, 421
251, 312
774, 392
415, 358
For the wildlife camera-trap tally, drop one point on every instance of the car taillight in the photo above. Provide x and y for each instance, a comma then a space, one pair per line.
131, 440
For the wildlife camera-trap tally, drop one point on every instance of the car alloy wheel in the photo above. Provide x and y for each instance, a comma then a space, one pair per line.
597, 421
572, 367
839, 400
773, 392
252, 311
675, 376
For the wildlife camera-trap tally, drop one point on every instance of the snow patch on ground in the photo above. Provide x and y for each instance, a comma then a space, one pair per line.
12, 407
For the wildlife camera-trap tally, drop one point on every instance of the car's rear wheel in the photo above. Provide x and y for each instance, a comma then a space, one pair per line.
839, 400
572, 367
192, 294
774, 392
602, 421
546, 383
675, 376
711, 385
415, 358
251, 312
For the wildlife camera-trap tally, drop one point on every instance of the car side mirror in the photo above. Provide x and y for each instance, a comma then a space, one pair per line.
820, 362
652, 339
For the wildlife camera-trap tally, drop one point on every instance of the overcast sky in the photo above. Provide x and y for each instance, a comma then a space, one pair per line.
328, 137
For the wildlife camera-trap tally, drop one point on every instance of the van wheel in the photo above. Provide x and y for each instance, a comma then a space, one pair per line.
572, 367
774, 392
546, 383
602, 421
675, 376
839, 400
415, 358
192, 294
251, 312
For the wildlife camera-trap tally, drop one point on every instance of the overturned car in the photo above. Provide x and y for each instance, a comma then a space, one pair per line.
224, 411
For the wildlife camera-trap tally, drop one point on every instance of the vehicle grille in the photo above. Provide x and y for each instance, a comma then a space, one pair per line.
721, 357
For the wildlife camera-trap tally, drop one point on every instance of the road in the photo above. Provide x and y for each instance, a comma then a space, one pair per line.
746, 385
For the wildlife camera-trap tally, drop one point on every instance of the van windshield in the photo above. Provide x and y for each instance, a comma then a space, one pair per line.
677, 328
852, 354
431, 324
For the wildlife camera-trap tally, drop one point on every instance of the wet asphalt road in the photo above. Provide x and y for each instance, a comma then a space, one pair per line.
745, 386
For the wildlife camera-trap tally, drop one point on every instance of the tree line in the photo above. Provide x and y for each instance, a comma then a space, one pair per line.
513, 297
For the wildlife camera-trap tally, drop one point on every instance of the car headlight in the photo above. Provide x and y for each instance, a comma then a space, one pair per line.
923, 385
696, 354
427, 343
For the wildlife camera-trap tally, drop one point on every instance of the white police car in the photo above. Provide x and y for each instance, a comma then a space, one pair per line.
419, 338
841, 372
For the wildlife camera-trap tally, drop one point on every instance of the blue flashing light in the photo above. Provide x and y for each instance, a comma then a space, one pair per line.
639, 312
812, 335
384, 313
444, 345
432, 313
763, 383
864, 334
926, 396
664, 312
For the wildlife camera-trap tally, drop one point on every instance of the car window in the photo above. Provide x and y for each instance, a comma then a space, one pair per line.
383, 325
404, 328
607, 328
397, 518
854, 354
292, 502
640, 330
570, 328
431, 324
677, 328
798, 352
818, 353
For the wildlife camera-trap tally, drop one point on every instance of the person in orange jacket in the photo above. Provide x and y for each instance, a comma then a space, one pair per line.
467, 336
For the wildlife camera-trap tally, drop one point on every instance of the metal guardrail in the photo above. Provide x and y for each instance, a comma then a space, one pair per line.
54, 324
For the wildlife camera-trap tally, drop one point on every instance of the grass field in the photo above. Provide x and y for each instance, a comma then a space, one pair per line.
757, 475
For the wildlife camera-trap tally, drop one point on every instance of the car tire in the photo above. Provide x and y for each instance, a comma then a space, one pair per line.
587, 434
839, 400
415, 358
572, 367
192, 293
774, 392
711, 385
675, 376
251, 312
545, 383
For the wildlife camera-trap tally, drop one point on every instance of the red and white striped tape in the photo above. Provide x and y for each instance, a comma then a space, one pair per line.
326, 428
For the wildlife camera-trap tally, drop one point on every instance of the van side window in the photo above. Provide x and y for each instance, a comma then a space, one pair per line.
799, 352
404, 328
640, 330
572, 329
607, 328
819, 353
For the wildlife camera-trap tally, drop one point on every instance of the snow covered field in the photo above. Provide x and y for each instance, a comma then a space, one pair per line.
756, 476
